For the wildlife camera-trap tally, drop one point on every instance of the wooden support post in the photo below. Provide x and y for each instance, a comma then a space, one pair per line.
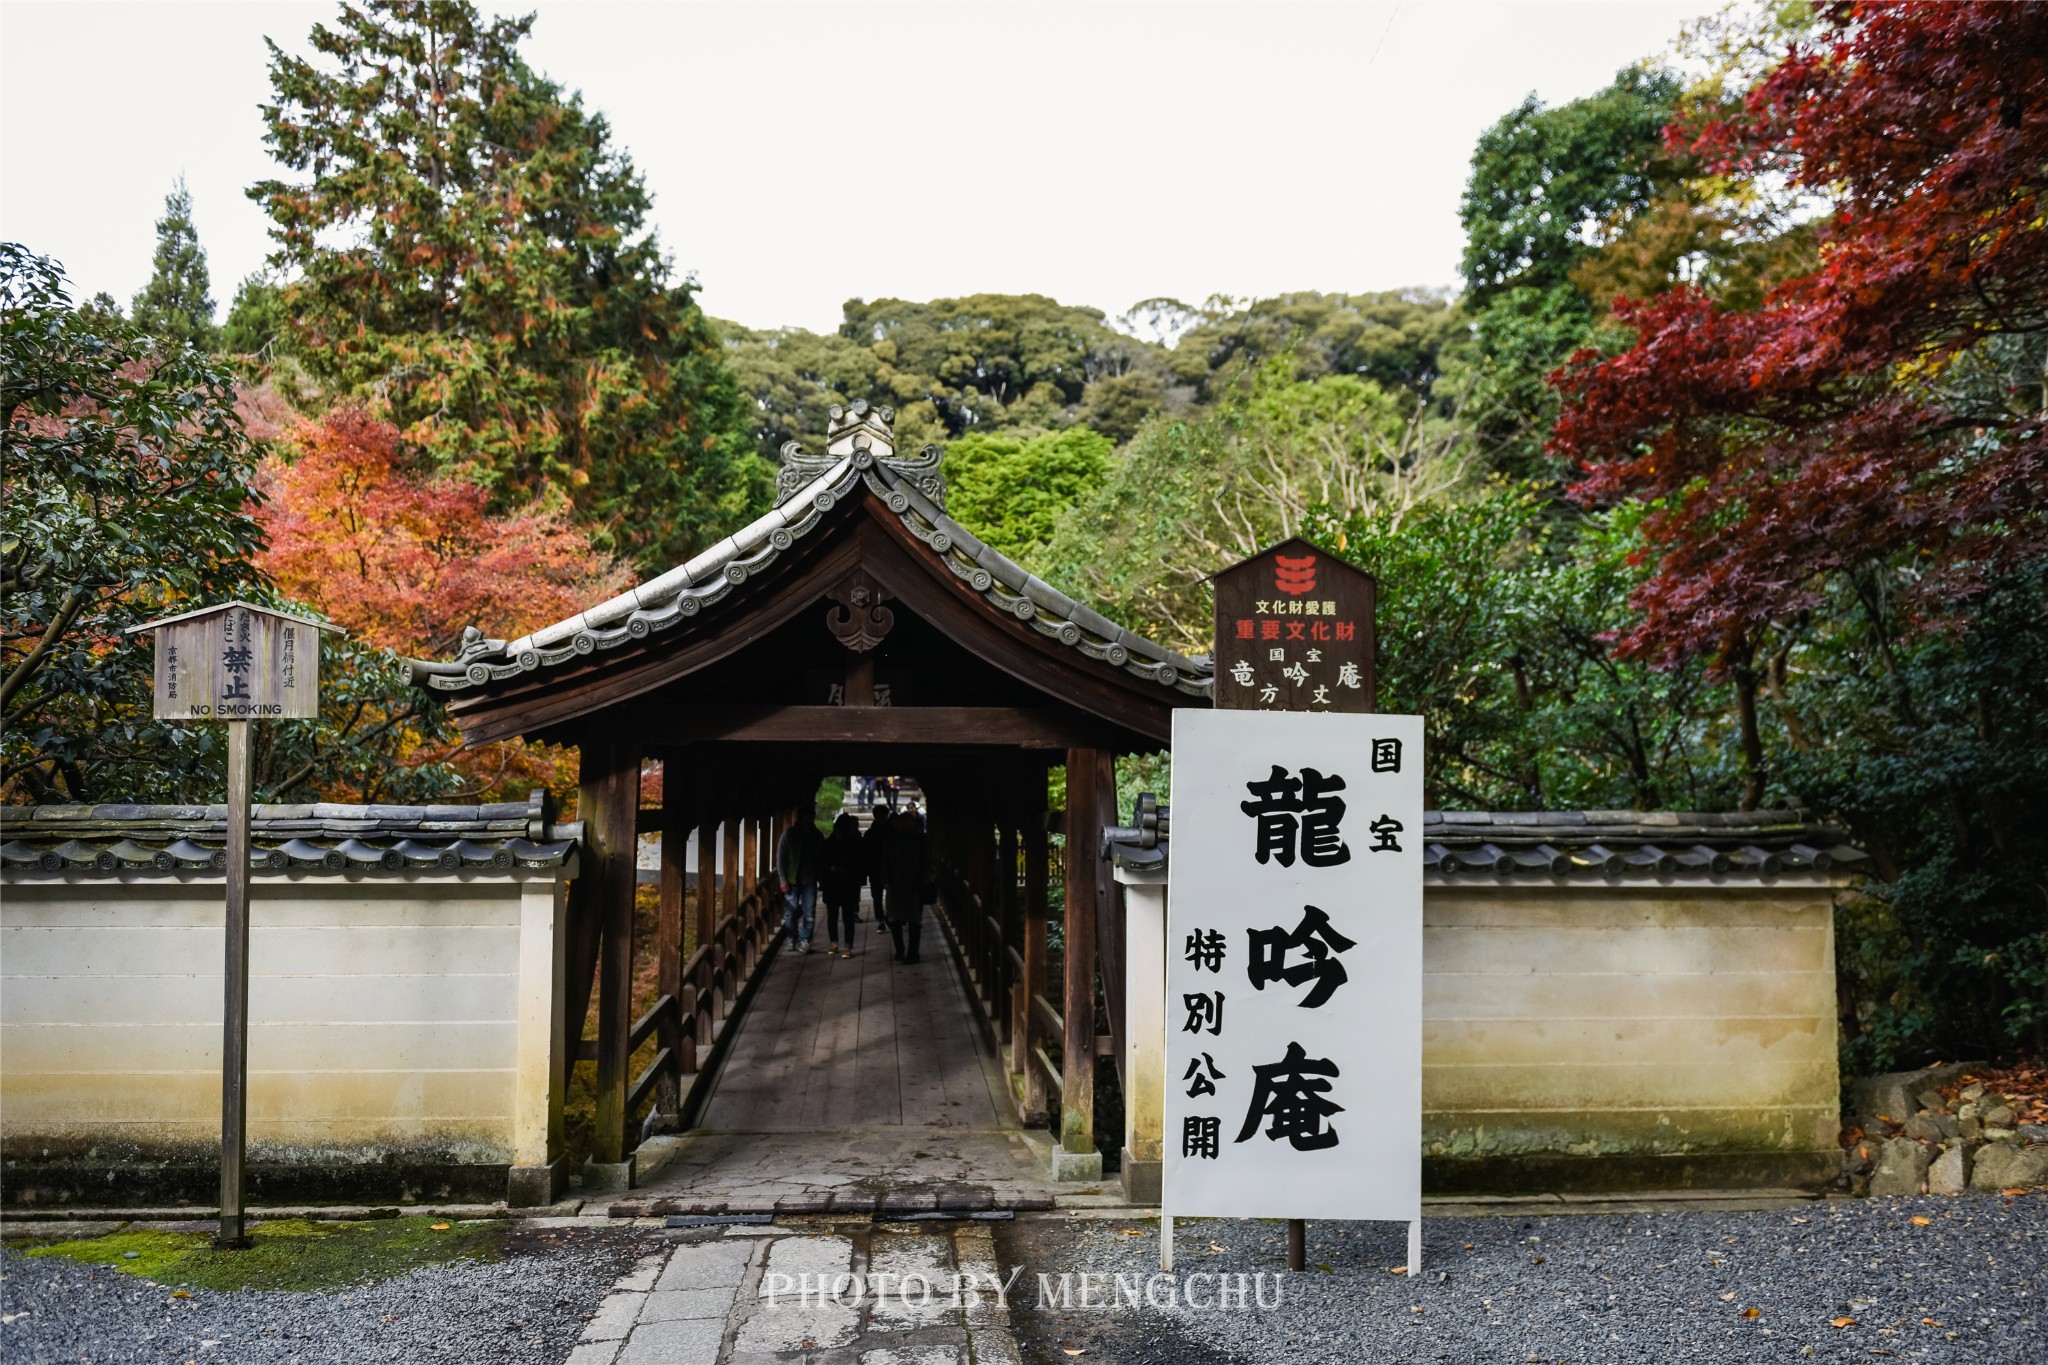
610, 804
750, 857
706, 889
1077, 1067
729, 875
234, 1070
1036, 1099
675, 838
1110, 935
1006, 915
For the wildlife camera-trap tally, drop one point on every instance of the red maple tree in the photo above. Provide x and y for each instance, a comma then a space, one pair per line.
1863, 413
407, 561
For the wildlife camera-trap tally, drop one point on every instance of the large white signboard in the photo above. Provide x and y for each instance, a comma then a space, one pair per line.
1294, 967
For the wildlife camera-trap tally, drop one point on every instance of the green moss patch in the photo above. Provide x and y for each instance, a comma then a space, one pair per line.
288, 1253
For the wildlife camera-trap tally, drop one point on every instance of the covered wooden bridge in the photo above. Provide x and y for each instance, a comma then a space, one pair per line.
855, 628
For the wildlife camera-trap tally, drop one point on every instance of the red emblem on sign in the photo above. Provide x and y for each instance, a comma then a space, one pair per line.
1294, 576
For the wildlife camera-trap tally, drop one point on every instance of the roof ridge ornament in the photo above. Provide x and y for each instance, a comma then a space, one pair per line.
865, 434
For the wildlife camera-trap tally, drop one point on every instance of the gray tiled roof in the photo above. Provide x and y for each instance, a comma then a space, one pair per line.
811, 487
1607, 846
322, 838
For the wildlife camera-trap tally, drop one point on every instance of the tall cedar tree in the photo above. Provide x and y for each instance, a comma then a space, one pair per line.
177, 303
469, 256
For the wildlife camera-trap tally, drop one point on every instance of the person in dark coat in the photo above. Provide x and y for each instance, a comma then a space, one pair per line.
841, 878
909, 871
874, 854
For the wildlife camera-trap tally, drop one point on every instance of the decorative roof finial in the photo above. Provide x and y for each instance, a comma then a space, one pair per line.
866, 435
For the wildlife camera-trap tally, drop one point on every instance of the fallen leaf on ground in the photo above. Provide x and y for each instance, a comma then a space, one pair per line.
179, 1294
1075, 1350
1752, 1312
1536, 1260
1802, 1220
1929, 1322
1845, 1322
1920, 1222
1468, 1246
1132, 1232
1397, 1270
1418, 1310
1727, 1296
2015, 1192
438, 1227
1218, 1246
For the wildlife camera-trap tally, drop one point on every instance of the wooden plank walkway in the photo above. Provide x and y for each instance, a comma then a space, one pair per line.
832, 1043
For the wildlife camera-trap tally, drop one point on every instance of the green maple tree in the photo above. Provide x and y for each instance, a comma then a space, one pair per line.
466, 253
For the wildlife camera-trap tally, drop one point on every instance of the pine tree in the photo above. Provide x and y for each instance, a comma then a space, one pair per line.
467, 255
177, 303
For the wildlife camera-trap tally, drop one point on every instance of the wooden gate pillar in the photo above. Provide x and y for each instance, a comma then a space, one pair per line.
1036, 1096
1011, 939
707, 882
675, 839
729, 879
609, 802
1088, 774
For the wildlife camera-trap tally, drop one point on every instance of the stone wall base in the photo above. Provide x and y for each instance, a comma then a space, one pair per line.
1549, 1173
532, 1187
1142, 1179
25, 1185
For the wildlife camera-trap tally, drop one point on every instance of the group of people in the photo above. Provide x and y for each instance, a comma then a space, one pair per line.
890, 858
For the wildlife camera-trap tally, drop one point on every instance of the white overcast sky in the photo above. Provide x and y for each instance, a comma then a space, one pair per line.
803, 154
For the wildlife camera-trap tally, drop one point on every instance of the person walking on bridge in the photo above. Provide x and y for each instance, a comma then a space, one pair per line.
909, 873
840, 883
875, 857
799, 858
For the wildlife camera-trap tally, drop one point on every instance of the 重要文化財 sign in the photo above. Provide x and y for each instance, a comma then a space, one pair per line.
1294, 967
1294, 632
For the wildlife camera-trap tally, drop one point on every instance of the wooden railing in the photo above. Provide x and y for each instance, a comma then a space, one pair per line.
995, 975
692, 1024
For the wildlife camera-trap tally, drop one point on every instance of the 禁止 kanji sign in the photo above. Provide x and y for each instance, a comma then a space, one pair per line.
1294, 632
1294, 967
237, 662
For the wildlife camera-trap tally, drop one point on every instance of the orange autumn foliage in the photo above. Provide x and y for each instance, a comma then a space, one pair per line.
407, 560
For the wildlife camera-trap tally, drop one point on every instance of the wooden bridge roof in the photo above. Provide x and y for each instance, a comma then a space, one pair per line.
757, 637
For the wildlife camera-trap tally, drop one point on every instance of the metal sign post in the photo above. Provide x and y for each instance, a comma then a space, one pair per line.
236, 662
1296, 915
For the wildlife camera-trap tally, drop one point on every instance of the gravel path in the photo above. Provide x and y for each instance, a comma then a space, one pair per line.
1967, 1286
529, 1306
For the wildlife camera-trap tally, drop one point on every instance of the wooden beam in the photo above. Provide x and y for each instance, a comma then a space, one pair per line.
1084, 837
610, 806
1008, 726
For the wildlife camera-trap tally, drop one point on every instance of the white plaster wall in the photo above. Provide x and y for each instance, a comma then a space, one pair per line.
1630, 1019
385, 1014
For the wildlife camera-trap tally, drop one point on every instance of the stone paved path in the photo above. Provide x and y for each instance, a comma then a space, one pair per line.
842, 1294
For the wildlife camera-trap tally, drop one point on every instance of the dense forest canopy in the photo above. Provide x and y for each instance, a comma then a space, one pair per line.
1721, 482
